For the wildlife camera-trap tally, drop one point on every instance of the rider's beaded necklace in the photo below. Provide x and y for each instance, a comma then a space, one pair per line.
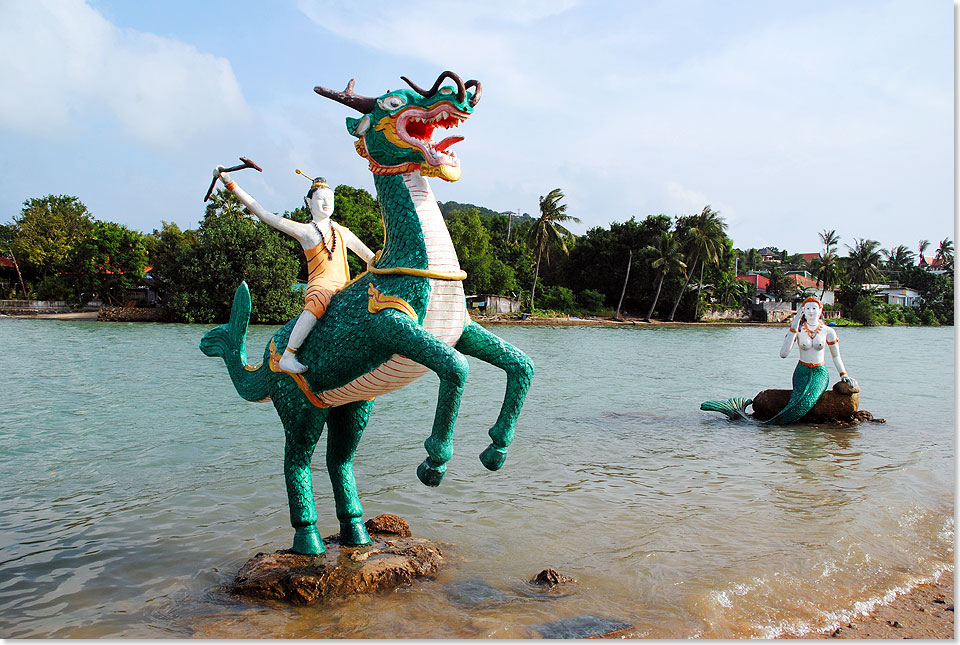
329, 249
812, 333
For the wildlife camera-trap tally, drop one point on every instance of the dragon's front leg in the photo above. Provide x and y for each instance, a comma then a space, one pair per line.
405, 337
480, 343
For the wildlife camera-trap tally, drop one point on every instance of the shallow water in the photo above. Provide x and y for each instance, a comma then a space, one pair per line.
135, 483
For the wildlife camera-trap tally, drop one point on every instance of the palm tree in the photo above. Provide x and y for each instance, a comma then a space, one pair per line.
923, 248
705, 244
899, 259
732, 292
830, 240
863, 261
546, 231
945, 253
829, 272
666, 258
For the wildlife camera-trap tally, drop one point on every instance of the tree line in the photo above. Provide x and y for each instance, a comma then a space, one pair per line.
658, 267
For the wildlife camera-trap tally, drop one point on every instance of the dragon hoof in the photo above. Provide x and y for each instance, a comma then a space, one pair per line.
354, 533
429, 474
493, 457
306, 541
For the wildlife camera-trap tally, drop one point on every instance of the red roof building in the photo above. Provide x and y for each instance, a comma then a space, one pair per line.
759, 281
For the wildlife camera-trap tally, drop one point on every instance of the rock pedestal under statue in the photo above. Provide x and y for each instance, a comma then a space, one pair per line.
395, 558
837, 405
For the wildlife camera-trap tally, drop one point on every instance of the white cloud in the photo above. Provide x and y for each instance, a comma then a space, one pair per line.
63, 65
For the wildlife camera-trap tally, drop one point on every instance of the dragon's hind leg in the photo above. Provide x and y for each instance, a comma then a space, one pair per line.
480, 343
302, 425
345, 426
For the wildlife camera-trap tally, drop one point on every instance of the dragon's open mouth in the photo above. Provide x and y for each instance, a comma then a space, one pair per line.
416, 126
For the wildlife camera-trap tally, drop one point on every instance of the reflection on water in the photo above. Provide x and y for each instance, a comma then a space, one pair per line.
136, 483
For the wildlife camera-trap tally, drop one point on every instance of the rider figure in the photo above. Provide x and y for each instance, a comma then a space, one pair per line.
325, 245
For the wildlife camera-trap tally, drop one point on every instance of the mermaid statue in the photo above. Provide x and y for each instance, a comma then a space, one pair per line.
810, 378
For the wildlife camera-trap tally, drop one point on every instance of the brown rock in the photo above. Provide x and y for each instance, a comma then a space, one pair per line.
842, 387
832, 406
550, 578
341, 571
388, 524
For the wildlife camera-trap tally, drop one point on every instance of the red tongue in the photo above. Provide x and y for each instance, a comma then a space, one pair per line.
446, 143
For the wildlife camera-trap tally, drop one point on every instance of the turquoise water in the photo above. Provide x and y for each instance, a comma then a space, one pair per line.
135, 483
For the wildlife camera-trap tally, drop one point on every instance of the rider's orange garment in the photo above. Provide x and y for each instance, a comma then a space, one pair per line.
326, 276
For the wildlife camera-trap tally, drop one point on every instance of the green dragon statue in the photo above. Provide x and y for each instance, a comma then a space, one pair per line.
404, 316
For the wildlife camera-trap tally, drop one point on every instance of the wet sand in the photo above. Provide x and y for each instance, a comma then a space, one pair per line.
924, 612
75, 315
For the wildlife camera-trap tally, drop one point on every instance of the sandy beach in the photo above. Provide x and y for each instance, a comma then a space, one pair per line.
924, 612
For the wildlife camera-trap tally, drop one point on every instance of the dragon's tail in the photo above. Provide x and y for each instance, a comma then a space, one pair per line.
229, 342
735, 408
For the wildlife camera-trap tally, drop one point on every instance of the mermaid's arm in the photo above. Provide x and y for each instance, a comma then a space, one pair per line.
834, 344
791, 338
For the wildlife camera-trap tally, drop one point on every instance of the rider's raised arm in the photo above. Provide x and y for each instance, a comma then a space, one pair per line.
282, 224
355, 245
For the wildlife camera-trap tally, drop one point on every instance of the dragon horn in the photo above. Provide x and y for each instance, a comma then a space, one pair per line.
461, 90
476, 93
362, 104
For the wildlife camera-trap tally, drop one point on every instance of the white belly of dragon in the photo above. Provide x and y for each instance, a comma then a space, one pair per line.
446, 311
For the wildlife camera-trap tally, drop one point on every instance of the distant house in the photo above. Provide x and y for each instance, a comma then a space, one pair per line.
770, 254
932, 264
809, 257
903, 296
759, 281
492, 304
8, 273
798, 278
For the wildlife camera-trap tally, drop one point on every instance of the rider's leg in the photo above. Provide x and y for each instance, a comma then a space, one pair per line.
288, 362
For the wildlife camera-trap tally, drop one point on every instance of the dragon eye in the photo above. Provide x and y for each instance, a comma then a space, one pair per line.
391, 102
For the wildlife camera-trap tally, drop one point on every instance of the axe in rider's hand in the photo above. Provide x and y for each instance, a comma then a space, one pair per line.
246, 164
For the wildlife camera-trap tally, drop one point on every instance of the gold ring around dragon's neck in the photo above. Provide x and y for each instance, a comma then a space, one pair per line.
420, 273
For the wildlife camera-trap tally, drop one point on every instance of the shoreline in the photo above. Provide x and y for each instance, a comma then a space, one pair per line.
926, 611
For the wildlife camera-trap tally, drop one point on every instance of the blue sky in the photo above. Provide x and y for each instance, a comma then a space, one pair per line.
787, 117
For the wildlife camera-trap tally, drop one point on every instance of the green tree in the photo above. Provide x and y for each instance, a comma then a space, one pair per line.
778, 285
863, 262
49, 231
485, 272
936, 293
547, 232
597, 261
666, 258
865, 310
830, 240
921, 249
899, 258
703, 238
733, 292
230, 247
945, 253
108, 261
829, 271
168, 249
